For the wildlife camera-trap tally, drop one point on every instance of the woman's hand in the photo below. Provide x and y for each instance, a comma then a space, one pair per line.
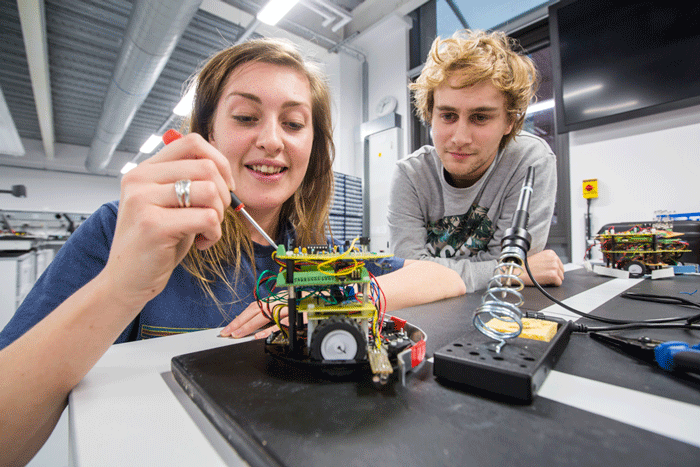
252, 319
153, 233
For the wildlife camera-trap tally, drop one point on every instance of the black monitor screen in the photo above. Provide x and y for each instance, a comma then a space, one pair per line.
622, 59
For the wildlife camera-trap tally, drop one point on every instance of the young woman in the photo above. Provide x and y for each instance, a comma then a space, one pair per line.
173, 257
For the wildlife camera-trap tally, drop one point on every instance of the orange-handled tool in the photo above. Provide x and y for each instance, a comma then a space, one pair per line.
170, 136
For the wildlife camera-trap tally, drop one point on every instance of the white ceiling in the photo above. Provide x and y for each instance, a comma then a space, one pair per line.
57, 70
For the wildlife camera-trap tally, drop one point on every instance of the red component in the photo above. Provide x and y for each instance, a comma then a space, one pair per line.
171, 135
589, 187
236, 203
417, 353
400, 323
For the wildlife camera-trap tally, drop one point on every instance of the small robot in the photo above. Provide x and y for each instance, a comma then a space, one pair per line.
346, 327
641, 250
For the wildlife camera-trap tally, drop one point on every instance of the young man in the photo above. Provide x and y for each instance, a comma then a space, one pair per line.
452, 203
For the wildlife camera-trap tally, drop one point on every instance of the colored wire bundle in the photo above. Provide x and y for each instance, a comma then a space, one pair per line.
379, 300
640, 244
272, 303
272, 300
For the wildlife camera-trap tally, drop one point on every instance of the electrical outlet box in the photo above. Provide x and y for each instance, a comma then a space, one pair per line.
516, 372
590, 188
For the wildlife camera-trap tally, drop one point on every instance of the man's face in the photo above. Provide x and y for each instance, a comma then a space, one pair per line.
467, 127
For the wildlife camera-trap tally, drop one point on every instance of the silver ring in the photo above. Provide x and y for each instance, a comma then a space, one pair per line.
182, 190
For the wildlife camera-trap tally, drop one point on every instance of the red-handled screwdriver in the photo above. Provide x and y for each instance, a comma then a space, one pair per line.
170, 136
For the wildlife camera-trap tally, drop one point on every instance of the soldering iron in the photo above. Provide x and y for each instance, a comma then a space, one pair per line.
516, 240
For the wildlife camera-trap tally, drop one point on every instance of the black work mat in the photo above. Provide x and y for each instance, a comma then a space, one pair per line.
592, 359
276, 414
273, 414
447, 320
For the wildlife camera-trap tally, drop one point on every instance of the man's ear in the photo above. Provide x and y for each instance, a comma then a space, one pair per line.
510, 126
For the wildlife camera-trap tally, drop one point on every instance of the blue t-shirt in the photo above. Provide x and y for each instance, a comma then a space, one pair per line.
181, 307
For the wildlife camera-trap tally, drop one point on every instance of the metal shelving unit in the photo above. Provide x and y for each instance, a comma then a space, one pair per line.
346, 208
46, 225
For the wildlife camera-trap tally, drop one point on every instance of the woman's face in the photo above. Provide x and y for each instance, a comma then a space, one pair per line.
263, 125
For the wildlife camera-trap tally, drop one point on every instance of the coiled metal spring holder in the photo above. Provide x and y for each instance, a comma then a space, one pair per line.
502, 299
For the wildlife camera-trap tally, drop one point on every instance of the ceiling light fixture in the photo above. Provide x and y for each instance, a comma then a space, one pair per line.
184, 107
150, 144
275, 11
128, 166
146, 148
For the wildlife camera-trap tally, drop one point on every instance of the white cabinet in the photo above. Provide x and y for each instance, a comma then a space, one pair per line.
384, 151
17, 276
44, 256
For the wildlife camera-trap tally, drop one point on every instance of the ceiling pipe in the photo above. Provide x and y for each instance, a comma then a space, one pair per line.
327, 17
336, 13
345, 17
248, 31
32, 17
173, 117
154, 29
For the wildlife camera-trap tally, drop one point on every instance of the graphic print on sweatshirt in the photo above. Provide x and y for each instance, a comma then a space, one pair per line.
463, 235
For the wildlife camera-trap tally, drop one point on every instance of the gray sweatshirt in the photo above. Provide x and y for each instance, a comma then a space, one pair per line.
431, 219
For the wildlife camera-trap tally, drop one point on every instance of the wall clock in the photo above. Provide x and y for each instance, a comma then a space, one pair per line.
386, 105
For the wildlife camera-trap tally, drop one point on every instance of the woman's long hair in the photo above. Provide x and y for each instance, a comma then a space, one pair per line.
307, 210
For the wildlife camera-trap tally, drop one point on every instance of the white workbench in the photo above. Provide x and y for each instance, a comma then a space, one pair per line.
129, 410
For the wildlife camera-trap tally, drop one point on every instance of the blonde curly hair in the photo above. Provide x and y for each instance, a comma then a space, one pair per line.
473, 57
